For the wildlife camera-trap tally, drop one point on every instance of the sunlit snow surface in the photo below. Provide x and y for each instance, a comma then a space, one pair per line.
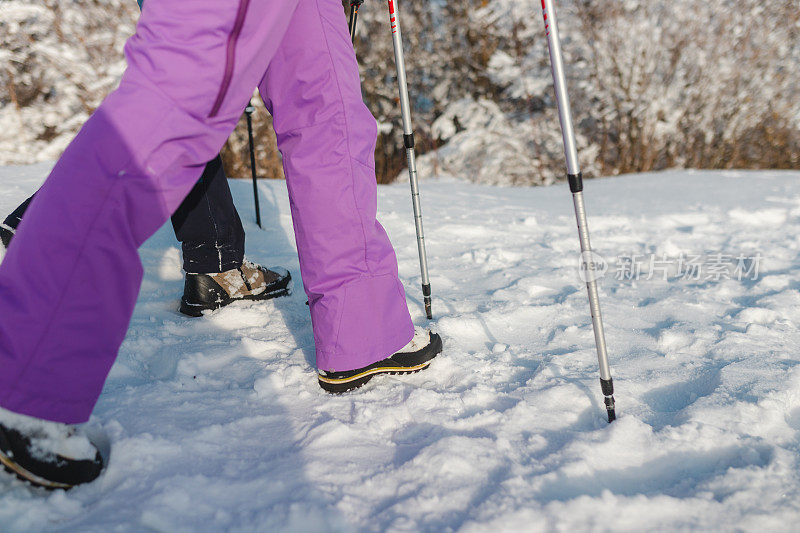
218, 424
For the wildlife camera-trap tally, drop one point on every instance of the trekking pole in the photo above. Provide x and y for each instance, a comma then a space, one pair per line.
249, 112
408, 141
354, 5
576, 187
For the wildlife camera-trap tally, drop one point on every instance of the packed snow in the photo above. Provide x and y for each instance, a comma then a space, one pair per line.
218, 424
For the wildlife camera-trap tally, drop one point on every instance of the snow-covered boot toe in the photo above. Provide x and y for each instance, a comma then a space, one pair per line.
413, 357
47, 454
203, 292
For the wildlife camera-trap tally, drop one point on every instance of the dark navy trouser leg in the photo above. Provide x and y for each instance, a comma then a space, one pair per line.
13, 220
208, 225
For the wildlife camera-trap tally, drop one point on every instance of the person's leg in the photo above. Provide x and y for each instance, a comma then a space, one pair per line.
327, 137
208, 225
212, 238
191, 70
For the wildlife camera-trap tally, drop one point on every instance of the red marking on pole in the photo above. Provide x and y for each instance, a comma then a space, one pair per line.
391, 7
546, 22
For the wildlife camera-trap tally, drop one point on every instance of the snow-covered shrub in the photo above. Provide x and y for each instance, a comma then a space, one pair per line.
710, 84
485, 145
58, 59
654, 84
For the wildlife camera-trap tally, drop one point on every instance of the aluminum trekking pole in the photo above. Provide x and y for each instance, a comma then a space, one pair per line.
408, 141
249, 112
575, 179
354, 5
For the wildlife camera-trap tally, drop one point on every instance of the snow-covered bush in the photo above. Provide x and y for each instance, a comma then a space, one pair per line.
58, 59
710, 84
654, 84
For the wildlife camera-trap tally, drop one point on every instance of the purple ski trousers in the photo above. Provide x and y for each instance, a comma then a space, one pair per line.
69, 284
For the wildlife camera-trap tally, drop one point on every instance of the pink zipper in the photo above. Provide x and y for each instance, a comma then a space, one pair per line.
230, 56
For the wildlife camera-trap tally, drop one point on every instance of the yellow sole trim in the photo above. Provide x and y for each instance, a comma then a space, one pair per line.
31, 477
381, 370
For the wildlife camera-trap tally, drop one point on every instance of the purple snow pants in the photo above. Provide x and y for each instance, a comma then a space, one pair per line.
69, 284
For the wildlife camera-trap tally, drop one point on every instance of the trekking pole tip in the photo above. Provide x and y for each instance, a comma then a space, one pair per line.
426, 296
610, 409
608, 393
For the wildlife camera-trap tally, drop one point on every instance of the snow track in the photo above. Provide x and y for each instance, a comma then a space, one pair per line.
218, 424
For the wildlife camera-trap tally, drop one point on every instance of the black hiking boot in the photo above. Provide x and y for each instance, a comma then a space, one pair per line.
413, 357
47, 454
204, 292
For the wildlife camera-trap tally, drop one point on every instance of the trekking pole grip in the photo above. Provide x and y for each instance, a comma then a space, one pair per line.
354, 5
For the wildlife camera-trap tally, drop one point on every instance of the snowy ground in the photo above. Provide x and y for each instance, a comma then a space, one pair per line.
217, 423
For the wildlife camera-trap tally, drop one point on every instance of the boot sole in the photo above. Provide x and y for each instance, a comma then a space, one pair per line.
23, 475
196, 310
346, 385
342, 385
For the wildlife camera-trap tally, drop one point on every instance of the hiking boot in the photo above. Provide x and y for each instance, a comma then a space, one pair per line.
413, 357
204, 292
47, 454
